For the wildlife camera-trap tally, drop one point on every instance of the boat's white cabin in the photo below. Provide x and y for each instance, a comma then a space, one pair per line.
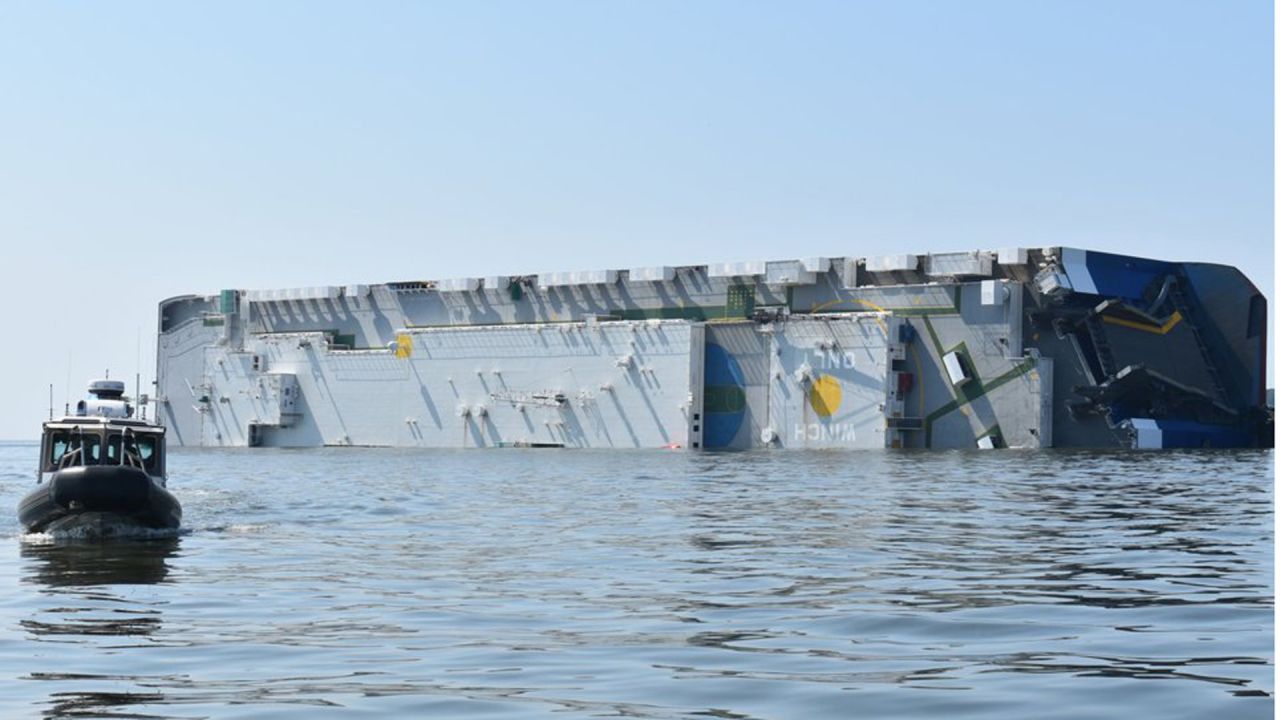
103, 432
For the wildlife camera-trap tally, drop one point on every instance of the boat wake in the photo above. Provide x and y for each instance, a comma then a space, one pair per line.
98, 532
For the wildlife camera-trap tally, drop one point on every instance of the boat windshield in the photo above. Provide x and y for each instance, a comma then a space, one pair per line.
68, 448
139, 450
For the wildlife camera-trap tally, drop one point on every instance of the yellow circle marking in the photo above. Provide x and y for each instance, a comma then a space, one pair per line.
825, 395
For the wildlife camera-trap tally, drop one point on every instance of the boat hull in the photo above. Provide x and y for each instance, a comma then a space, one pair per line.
99, 496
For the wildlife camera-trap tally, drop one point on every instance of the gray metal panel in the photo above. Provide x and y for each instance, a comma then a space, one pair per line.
179, 371
1044, 368
610, 384
829, 378
958, 264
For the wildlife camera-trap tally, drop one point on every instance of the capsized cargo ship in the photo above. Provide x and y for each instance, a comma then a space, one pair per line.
1009, 348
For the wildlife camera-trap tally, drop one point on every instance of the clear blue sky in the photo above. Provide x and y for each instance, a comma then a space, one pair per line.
155, 149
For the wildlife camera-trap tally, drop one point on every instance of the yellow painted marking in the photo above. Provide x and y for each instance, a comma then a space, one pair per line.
404, 345
864, 303
1168, 325
825, 395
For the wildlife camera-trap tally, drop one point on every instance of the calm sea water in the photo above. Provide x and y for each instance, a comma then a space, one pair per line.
525, 583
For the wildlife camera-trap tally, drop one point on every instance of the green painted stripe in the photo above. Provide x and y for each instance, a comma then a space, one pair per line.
916, 311
1017, 371
942, 410
994, 433
693, 312
933, 338
723, 399
965, 394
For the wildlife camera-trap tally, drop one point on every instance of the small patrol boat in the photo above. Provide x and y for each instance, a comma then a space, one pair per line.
101, 469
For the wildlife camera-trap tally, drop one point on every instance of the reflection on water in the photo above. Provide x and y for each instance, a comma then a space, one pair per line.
58, 563
664, 585
91, 606
83, 576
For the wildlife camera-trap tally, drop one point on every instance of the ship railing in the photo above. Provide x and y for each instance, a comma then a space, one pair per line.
73, 456
127, 456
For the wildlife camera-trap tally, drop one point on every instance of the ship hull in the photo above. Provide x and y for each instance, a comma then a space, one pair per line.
1016, 348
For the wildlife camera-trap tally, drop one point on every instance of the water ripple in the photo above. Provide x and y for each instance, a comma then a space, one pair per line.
660, 585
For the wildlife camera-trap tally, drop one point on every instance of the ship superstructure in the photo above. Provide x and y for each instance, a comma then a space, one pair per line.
1019, 347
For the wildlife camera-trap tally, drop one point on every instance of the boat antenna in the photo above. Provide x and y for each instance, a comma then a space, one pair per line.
50, 401
66, 389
